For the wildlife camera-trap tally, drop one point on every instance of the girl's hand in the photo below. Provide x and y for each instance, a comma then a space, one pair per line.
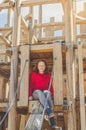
30, 98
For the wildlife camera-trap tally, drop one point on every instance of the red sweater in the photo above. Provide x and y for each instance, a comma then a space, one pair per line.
39, 82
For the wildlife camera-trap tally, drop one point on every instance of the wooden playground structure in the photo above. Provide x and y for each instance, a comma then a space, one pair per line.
22, 43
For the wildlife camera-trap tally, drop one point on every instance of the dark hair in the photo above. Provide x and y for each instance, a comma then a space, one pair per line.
46, 67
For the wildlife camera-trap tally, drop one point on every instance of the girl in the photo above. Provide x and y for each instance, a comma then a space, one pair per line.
39, 89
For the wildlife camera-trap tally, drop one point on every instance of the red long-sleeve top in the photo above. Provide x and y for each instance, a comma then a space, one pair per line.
39, 82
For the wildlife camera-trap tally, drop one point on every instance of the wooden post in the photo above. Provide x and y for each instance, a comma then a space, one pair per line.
49, 31
23, 121
31, 26
70, 40
58, 78
13, 87
81, 88
9, 17
14, 65
1, 88
23, 99
40, 20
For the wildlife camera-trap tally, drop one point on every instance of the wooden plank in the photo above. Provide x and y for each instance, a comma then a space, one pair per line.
65, 87
6, 0
22, 122
84, 52
81, 88
37, 2
70, 40
40, 21
49, 24
31, 25
31, 104
80, 21
66, 120
1, 88
8, 33
3, 105
49, 39
9, 16
49, 32
59, 24
5, 6
63, 4
5, 29
14, 65
23, 99
42, 47
58, 78
81, 36
24, 24
5, 40
12, 90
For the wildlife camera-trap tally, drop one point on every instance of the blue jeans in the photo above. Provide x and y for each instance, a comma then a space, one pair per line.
44, 96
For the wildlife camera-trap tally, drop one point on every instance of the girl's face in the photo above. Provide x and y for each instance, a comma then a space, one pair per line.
41, 67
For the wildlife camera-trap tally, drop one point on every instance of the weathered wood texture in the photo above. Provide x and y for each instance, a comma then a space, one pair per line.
24, 76
58, 74
81, 88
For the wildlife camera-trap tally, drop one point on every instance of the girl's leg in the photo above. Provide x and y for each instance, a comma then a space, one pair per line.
49, 109
49, 98
38, 94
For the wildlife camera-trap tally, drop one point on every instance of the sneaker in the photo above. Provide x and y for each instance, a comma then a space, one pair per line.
55, 127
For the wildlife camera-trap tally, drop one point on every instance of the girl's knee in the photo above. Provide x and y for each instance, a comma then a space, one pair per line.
37, 93
46, 92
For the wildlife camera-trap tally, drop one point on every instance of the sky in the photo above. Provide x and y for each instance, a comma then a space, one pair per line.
49, 10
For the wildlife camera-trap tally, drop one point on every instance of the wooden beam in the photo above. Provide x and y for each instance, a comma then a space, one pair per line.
14, 65
42, 47
5, 6
57, 24
37, 2
23, 22
63, 4
8, 33
5, 29
31, 25
6, 41
28, 17
63, 1
47, 39
3, 105
80, 21
40, 21
12, 90
70, 40
58, 78
31, 103
81, 88
81, 36
22, 122
49, 25
9, 17
23, 99
2, 88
